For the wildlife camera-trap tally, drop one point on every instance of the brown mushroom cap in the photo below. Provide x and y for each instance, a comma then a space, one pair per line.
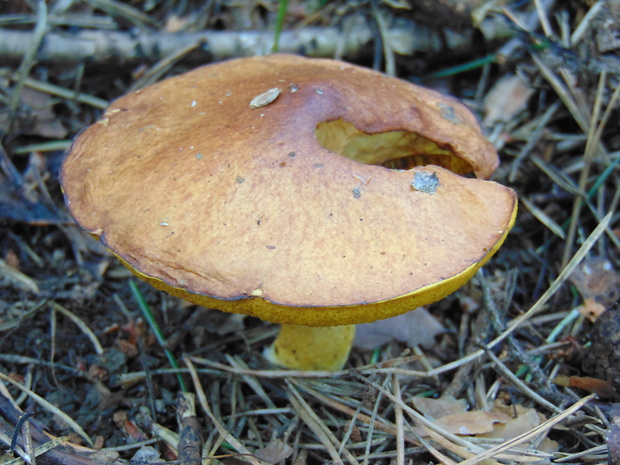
240, 207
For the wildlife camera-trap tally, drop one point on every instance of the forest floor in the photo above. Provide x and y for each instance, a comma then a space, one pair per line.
523, 364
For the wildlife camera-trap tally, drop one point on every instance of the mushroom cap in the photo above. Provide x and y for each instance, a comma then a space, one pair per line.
260, 206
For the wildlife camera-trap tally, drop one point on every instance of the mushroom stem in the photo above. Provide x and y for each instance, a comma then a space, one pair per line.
312, 348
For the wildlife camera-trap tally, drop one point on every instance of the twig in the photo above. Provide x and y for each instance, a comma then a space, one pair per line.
349, 431
202, 398
27, 61
442, 458
539, 304
318, 427
373, 421
399, 420
251, 381
388, 51
190, 437
529, 24
121, 48
594, 141
27, 438
148, 377
543, 18
499, 326
58, 91
163, 65
18, 279
379, 368
533, 140
125, 11
21, 452
580, 30
49, 407
524, 388
82, 325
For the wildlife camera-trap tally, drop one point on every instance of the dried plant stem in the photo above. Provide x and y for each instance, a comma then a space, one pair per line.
27, 60
563, 93
49, 407
540, 303
399, 420
593, 142
388, 51
380, 424
17, 278
524, 388
190, 437
58, 91
591, 145
103, 46
202, 398
83, 327
318, 427
379, 368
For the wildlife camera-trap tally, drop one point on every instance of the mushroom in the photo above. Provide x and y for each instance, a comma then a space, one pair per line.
306, 192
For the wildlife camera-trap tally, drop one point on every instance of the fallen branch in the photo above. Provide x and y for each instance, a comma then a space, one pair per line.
53, 450
120, 48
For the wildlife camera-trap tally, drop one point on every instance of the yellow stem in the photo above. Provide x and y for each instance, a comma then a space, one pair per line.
312, 348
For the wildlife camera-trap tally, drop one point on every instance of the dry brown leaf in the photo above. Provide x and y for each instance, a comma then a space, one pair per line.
146, 454
598, 283
417, 327
437, 408
591, 309
507, 98
503, 422
451, 415
36, 116
274, 452
470, 423
525, 420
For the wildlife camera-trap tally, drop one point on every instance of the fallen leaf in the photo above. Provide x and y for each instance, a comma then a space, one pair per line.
437, 408
503, 421
146, 454
275, 452
452, 415
35, 115
591, 309
417, 327
508, 97
597, 280
526, 419
474, 422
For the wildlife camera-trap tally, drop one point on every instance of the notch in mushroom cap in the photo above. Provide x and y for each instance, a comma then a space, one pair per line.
310, 209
